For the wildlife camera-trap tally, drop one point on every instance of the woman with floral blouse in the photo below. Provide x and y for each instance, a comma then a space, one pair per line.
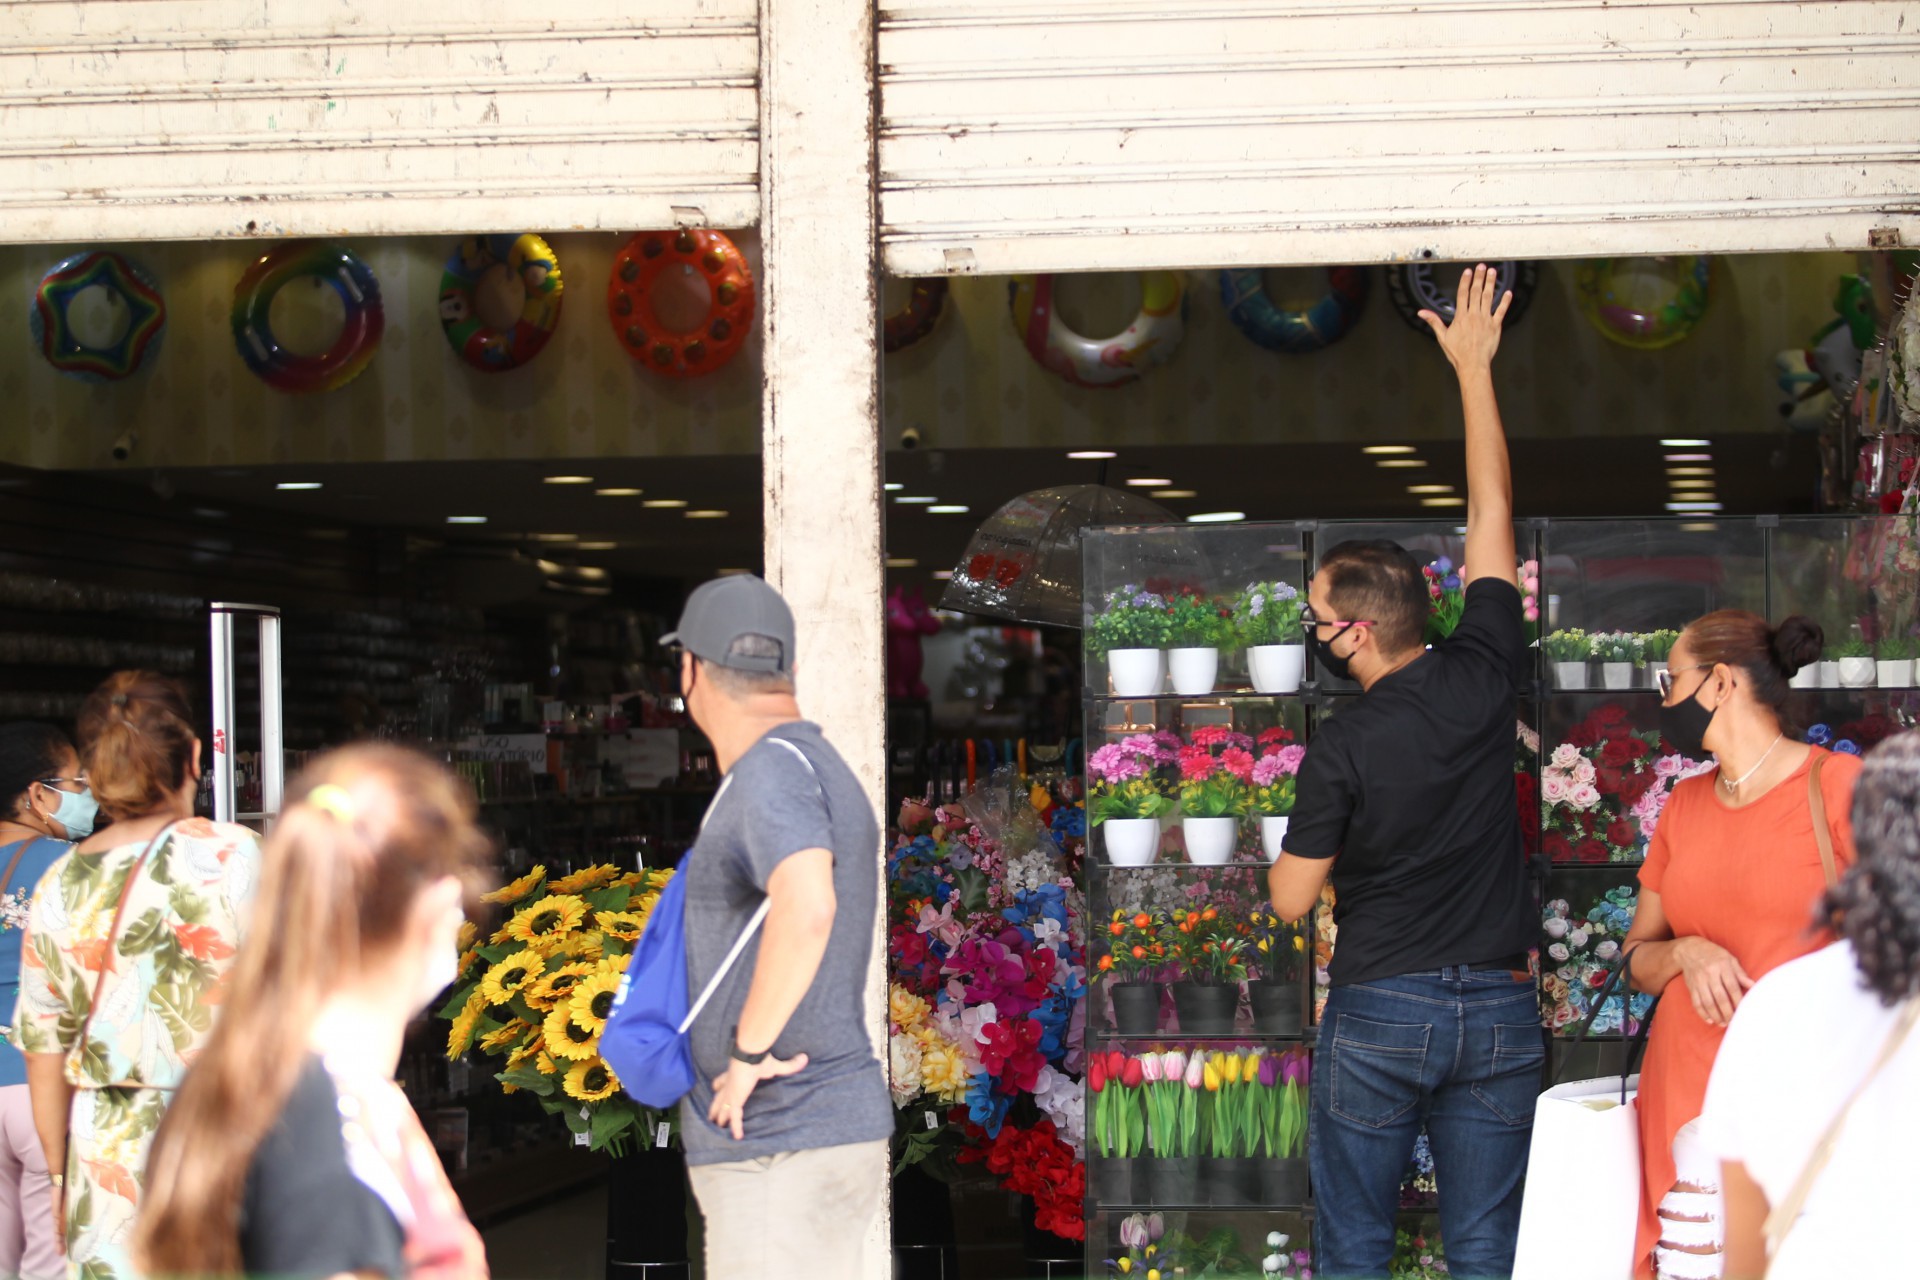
128, 942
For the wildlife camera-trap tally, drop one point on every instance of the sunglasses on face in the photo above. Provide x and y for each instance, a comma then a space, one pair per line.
1663, 680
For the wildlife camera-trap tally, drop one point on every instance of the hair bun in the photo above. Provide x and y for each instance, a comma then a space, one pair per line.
1796, 643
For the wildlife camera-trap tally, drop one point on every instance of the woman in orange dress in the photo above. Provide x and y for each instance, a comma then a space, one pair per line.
1728, 893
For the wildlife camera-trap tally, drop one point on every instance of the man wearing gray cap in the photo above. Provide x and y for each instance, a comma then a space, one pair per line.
787, 1126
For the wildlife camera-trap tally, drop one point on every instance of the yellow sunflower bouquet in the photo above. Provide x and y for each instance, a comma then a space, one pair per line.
538, 991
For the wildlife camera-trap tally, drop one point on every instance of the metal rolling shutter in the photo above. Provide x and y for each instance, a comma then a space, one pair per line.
1064, 135
174, 119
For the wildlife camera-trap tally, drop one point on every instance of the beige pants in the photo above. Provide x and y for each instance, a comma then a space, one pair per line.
803, 1215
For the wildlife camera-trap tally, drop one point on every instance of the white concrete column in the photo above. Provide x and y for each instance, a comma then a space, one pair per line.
820, 414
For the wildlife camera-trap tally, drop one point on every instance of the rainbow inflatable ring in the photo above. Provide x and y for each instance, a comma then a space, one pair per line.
53, 333
1100, 362
529, 259
351, 278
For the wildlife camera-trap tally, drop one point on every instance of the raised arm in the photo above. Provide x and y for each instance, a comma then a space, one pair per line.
1470, 342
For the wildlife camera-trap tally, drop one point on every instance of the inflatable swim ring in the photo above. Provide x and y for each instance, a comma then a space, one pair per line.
520, 266
729, 317
1111, 362
53, 328
1645, 319
918, 318
359, 337
1244, 294
1433, 286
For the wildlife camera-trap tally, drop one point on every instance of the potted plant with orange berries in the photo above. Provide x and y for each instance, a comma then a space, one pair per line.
1135, 954
1212, 956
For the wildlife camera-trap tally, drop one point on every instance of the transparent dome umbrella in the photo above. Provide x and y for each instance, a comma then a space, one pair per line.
1023, 563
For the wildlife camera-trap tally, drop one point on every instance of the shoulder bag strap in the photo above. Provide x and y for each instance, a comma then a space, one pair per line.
19, 852
759, 915
113, 933
1817, 801
1785, 1214
1633, 1046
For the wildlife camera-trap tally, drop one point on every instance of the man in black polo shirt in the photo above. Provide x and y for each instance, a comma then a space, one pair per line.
1406, 796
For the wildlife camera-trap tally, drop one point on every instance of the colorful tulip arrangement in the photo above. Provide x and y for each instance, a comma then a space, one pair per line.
1283, 1104
1181, 1102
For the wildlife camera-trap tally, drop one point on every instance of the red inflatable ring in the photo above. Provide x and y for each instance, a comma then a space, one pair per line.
729, 317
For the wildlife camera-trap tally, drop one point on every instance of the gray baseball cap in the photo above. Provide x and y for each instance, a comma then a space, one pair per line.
720, 612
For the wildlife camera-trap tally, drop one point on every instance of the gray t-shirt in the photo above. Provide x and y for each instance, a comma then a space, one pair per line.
773, 805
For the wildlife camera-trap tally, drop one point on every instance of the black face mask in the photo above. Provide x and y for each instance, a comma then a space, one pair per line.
1684, 725
1325, 658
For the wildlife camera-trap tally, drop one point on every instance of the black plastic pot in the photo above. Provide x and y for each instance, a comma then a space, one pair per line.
923, 1233
1230, 1181
1172, 1180
647, 1211
1277, 1009
1110, 1180
1136, 1008
1205, 1008
1283, 1183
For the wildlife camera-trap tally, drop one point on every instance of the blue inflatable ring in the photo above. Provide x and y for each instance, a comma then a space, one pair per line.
1332, 318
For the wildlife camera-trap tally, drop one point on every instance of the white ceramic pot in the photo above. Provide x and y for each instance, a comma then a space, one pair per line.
1617, 675
1276, 668
1135, 673
1896, 673
1272, 832
1194, 671
1210, 840
1132, 842
1829, 674
1807, 677
1856, 673
1569, 675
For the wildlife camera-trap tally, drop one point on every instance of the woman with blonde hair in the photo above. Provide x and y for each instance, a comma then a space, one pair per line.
128, 941
289, 1150
1740, 859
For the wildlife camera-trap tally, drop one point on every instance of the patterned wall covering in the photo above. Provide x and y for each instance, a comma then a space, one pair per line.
970, 383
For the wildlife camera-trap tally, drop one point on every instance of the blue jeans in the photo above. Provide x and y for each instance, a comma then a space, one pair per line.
1460, 1049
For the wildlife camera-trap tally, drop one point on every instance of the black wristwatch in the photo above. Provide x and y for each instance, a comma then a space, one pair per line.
741, 1055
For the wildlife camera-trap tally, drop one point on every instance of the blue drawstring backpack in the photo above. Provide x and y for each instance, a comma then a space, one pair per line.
646, 1041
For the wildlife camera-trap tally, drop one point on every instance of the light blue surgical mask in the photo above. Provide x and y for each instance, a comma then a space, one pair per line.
76, 810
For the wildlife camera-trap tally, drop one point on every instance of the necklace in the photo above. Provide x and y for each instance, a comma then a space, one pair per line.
1733, 785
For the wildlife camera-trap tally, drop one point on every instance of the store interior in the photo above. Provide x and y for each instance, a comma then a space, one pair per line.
482, 561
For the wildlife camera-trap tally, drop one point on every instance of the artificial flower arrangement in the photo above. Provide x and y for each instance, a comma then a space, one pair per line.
1132, 778
1216, 770
1154, 1253
1274, 773
1177, 1103
1569, 644
538, 993
1268, 613
1603, 789
1447, 598
1821, 735
1130, 618
1197, 621
1657, 646
1278, 950
1581, 952
1210, 949
1526, 788
987, 980
1417, 1255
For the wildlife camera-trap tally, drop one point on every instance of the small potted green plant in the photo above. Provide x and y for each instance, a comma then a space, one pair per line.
1130, 629
1568, 651
1216, 775
1656, 648
1266, 620
1855, 657
1198, 627
1618, 653
1894, 664
1278, 962
1130, 788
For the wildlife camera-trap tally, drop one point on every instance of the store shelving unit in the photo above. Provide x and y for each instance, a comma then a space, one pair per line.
1851, 574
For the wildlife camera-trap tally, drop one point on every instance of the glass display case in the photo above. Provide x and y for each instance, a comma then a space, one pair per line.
1200, 702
